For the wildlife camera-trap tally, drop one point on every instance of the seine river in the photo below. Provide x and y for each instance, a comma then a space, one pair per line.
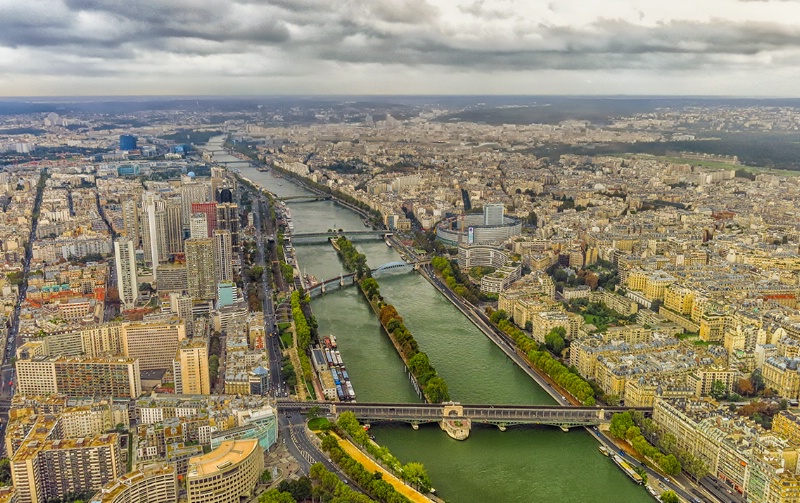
522, 464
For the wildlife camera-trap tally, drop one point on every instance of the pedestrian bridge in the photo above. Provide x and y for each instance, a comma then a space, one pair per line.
454, 417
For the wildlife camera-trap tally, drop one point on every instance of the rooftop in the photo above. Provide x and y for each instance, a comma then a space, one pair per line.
228, 454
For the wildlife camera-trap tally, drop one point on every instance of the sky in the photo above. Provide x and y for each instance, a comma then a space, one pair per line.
355, 47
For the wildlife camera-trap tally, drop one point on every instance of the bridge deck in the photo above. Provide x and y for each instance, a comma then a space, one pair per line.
491, 414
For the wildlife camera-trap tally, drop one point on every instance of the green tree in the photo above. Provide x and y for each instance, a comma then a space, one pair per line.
276, 496
718, 390
416, 475
256, 273
299, 490
5, 471
436, 390
313, 412
669, 497
498, 316
620, 423
555, 340
757, 380
370, 287
213, 366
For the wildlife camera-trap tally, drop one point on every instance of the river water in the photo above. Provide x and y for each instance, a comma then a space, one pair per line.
522, 464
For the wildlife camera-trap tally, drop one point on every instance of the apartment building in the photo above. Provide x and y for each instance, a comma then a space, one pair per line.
226, 474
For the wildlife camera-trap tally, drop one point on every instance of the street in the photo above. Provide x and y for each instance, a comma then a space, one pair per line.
270, 323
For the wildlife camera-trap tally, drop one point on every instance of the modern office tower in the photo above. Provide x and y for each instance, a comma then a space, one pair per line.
172, 278
174, 226
226, 474
493, 214
194, 192
127, 142
210, 210
223, 256
153, 343
79, 376
198, 226
156, 483
200, 268
191, 362
127, 282
45, 469
130, 218
228, 219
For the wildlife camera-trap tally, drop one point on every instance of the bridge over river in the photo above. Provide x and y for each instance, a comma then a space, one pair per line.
350, 279
456, 418
321, 237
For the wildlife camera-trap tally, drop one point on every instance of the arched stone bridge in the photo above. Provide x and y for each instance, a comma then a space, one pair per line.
455, 416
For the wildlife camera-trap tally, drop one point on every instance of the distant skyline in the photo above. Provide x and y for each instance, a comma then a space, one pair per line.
385, 47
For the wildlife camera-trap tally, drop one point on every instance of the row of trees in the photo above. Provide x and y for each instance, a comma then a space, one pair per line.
456, 281
669, 445
412, 472
323, 486
353, 259
370, 482
571, 381
623, 427
433, 386
303, 332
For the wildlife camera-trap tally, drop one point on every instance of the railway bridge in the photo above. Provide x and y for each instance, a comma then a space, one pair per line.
456, 418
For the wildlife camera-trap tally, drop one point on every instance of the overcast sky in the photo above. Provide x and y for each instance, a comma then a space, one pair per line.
262, 47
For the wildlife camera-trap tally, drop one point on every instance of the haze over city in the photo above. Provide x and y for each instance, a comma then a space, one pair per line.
178, 47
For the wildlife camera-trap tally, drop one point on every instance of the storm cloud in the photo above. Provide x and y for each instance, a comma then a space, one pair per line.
416, 46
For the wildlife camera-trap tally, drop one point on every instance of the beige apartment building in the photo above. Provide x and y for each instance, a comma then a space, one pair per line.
191, 367
44, 469
155, 483
79, 376
226, 474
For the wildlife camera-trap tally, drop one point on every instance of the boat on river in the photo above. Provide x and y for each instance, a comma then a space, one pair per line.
628, 469
603, 450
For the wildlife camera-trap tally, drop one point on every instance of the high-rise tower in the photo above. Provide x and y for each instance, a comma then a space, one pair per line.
125, 256
200, 268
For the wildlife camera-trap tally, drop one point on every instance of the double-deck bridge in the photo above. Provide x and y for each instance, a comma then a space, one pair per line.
456, 418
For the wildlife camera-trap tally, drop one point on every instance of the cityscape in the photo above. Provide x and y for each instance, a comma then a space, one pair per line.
398, 251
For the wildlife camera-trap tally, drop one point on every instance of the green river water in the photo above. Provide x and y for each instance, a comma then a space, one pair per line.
522, 464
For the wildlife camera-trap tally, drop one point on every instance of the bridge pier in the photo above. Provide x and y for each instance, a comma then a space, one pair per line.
457, 429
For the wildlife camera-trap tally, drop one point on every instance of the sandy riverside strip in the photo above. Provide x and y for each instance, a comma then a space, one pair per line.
369, 464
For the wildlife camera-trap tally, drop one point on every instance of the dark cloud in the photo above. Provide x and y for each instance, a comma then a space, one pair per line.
94, 35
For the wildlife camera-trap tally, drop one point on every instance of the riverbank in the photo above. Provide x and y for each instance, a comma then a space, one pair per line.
374, 467
500, 340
